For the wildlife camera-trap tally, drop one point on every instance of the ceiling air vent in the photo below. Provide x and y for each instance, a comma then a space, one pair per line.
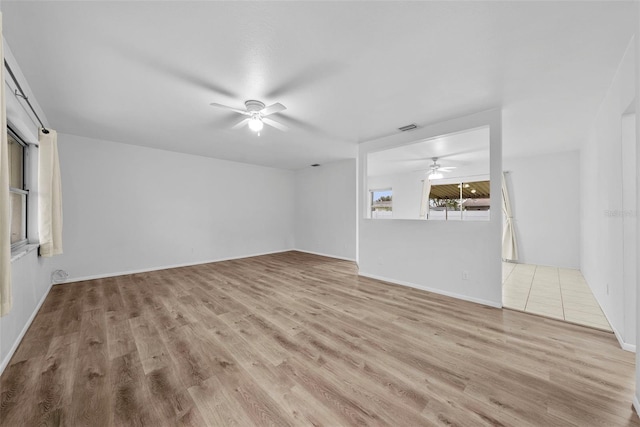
412, 126
315, 165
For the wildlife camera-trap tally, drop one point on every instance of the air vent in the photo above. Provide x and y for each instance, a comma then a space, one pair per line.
315, 165
412, 126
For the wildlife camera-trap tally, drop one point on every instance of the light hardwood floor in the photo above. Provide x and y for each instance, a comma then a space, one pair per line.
297, 339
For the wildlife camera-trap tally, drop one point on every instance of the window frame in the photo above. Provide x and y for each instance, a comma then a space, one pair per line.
24, 191
372, 201
460, 200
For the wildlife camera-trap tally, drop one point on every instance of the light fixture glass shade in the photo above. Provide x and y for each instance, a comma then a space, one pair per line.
255, 124
435, 175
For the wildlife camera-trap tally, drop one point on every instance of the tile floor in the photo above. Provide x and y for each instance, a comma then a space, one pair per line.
559, 293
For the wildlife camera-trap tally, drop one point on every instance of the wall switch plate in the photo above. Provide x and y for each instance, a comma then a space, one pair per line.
465, 275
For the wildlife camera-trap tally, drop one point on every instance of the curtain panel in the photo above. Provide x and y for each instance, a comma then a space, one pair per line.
50, 195
509, 244
424, 202
5, 220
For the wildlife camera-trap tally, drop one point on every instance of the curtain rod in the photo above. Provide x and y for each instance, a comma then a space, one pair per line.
19, 92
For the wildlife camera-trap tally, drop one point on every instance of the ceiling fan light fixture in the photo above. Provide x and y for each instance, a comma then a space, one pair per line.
435, 175
255, 124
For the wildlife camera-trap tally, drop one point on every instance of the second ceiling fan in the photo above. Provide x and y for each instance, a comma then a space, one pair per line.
435, 170
257, 114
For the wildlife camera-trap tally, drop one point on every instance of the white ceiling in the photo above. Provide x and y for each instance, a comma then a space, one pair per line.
467, 152
145, 72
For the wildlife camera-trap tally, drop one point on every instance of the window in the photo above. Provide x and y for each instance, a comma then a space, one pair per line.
381, 203
18, 193
464, 201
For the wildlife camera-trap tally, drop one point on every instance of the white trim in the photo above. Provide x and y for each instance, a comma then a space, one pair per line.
636, 404
15, 345
435, 291
23, 251
624, 345
325, 255
166, 267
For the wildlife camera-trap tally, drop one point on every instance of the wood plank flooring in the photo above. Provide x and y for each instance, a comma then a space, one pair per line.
296, 339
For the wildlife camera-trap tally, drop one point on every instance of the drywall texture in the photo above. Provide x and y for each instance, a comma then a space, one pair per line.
130, 208
456, 258
325, 209
545, 201
603, 204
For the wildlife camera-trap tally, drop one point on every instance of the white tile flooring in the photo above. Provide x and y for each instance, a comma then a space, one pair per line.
559, 293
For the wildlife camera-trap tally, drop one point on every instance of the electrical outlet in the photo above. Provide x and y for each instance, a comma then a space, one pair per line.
465, 275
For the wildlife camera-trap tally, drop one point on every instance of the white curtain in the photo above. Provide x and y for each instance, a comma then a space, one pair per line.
509, 245
5, 221
424, 203
50, 195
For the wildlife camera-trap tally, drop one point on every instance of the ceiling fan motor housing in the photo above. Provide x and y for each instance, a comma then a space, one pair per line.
254, 106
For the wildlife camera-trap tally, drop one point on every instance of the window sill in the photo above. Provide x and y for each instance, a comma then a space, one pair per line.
21, 252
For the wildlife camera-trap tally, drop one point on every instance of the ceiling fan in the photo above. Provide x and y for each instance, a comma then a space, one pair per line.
435, 170
257, 114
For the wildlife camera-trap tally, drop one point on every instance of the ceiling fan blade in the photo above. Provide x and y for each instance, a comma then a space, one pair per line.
272, 109
275, 124
226, 107
304, 125
447, 168
241, 124
165, 65
311, 75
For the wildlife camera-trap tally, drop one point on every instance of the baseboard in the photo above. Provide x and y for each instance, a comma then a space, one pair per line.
636, 404
166, 267
15, 345
624, 345
325, 255
435, 291
628, 347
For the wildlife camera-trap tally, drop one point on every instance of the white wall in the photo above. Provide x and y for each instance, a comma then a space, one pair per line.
407, 192
31, 283
602, 204
30, 274
433, 255
325, 209
130, 208
545, 200
629, 228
